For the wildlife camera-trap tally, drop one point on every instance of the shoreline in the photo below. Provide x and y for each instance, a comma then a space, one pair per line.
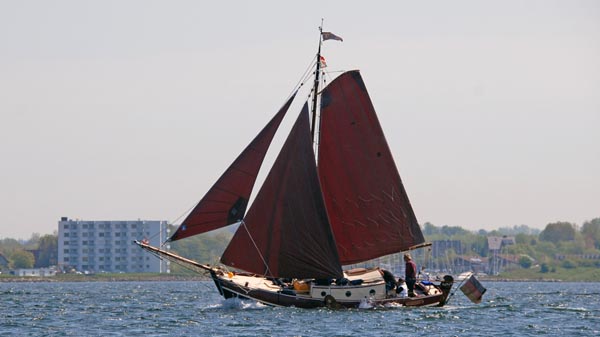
94, 278
184, 278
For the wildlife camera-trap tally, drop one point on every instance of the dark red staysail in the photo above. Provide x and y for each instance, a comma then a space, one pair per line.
225, 203
286, 232
368, 208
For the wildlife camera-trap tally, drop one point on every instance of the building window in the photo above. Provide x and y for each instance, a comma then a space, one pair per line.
101, 234
66, 235
66, 251
66, 226
66, 259
66, 243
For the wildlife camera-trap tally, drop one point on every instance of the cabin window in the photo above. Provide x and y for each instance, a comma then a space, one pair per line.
348, 293
323, 293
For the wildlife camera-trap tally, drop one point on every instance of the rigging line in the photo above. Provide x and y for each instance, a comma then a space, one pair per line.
267, 272
177, 219
305, 76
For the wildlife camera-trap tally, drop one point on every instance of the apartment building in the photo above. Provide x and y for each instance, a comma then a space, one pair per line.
107, 246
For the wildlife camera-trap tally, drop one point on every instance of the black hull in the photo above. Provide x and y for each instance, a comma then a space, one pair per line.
229, 289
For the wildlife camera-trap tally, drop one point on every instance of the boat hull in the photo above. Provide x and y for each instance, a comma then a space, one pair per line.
277, 296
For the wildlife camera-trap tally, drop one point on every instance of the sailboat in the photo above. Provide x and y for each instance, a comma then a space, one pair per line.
315, 214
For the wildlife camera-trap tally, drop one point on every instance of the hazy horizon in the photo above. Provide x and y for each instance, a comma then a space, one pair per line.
119, 110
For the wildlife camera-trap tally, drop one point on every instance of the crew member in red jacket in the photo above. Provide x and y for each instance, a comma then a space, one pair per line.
410, 275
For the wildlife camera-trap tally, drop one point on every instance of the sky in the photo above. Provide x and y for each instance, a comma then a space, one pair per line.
123, 110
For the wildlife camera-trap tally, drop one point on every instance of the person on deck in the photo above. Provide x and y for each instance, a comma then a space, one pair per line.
390, 280
401, 289
410, 274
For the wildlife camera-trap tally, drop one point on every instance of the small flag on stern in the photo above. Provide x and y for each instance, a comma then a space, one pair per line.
330, 36
473, 289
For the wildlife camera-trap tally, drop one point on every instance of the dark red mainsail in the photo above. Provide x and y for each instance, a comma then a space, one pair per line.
368, 208
225, 203
286, 232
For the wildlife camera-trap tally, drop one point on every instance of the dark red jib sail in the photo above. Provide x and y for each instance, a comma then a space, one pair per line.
225, 203
368, 208
286, 232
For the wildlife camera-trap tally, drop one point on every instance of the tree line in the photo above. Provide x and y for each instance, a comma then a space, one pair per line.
37, 252
560, 242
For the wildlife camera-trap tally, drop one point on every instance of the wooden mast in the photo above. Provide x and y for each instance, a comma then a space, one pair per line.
316, 84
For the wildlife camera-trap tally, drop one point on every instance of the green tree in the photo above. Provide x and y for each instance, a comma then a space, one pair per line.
7, 246
205, 248
591, 233
525, 262
429, 229
558, 231
453, 230
21, 259
48, 250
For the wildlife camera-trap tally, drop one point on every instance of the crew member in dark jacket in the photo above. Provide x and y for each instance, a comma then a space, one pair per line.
410, 275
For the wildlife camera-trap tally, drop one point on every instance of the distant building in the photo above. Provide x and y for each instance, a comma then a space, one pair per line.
107, 246
496, 244
34, 272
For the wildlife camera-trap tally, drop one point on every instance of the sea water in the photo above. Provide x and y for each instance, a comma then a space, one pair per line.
196, 309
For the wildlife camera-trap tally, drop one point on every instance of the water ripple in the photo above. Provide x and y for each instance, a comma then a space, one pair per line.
195, 308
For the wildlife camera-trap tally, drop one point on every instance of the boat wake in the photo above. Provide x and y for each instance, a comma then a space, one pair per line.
238, 304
